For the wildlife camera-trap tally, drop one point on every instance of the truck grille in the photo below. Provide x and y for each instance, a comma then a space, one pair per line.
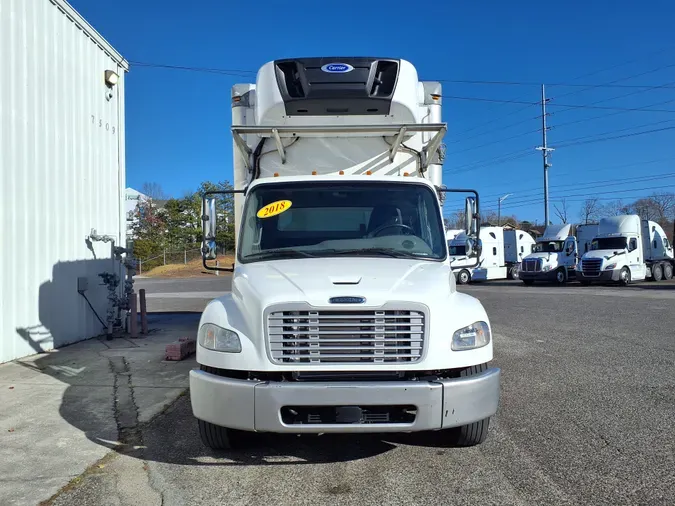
591, 266
346, 336
531, 265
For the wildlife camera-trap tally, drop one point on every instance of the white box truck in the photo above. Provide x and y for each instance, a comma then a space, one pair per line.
627, 249
502, 250
343, 314
556, 253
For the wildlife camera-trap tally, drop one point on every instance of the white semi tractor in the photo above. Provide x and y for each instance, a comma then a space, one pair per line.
502, 250
556, 252
627, 249
343, 314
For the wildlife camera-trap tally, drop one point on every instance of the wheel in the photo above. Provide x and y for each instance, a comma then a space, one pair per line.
657, 272
221, 438
473, 433
624, 276
560, 276
463, 277
513, 272
667, 271
528, 282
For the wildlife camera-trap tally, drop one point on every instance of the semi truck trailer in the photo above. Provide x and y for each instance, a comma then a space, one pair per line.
627, 249
343, 314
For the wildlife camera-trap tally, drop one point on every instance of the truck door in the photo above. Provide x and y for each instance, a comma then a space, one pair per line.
636, 260
569, 255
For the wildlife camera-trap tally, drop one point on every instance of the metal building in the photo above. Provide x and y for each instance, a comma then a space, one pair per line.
62, 171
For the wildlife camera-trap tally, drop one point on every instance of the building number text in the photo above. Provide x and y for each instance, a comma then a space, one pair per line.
102, 125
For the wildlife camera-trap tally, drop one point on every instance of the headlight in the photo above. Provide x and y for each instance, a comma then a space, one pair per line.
216, 338
610, 267
545, 268
474, 336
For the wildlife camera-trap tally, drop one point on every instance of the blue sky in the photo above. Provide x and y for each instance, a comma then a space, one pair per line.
177, 121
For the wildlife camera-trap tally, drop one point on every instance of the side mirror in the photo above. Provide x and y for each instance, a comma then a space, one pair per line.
209, 219
474, 247
470, 217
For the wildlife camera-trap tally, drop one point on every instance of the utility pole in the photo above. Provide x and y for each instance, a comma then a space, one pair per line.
544, 150
499, 208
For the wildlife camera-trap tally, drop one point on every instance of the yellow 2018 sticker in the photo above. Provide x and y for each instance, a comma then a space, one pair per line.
274, 208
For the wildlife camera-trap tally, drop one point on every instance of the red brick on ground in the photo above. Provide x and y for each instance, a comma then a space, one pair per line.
182, 348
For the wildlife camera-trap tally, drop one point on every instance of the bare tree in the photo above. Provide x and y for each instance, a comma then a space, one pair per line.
663, 205
561, 211
614, 208
154, 191
590, 210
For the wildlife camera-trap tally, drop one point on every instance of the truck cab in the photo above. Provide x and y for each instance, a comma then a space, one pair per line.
501, 252
627, 249
344, 314
553, 258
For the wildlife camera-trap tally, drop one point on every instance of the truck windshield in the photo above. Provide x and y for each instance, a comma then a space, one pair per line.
549, 247
609, 243
298, 220
457, 251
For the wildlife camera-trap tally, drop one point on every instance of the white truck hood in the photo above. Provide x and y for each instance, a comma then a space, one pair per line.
552, 257
316, 280
602, 253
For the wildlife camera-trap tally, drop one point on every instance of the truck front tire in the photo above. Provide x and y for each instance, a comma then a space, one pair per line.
560, 276
214, 436
474, 433
463, 277
624, 276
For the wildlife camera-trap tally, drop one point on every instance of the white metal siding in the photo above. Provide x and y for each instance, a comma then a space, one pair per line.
62, 170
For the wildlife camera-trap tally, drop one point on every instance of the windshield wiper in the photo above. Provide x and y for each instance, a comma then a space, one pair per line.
371, 251
279, 253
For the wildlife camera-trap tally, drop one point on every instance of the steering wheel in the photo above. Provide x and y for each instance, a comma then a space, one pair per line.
391, 225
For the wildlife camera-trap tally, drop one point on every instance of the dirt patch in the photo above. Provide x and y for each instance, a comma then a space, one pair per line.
192, 269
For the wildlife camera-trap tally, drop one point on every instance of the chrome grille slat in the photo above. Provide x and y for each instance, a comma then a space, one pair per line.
345, 337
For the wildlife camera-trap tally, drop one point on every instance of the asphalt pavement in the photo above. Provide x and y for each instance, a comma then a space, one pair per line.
585, 417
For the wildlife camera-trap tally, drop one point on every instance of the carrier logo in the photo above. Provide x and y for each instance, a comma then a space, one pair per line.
337, 68
347, 300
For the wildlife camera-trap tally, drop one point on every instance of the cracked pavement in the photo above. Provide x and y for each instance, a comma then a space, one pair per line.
588, 393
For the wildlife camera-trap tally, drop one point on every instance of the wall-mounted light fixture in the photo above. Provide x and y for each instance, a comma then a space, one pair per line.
111, 78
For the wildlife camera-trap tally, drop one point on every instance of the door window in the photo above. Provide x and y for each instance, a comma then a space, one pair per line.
632, 245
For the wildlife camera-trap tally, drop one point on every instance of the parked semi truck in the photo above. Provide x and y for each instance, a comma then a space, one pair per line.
556, 253
343, 314
502, 250
627, 249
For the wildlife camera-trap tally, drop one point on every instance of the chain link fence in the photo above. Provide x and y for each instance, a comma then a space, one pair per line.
175, 256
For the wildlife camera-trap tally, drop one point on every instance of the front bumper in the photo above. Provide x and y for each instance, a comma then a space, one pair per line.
537, 275
257, 405
604, 277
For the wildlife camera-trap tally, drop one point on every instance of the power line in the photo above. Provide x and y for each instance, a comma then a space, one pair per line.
634, 134
589, 74
536, 200
571, 106
562, 85
590, 184
231, 72
597, 169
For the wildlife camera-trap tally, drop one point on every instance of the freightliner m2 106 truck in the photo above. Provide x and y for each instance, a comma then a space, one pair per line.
343, 314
